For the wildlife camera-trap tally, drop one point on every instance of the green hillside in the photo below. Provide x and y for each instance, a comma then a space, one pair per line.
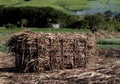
59, 4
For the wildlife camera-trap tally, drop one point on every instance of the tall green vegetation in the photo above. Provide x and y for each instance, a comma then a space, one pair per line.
46, 16
35, 16
93, 22
107, 21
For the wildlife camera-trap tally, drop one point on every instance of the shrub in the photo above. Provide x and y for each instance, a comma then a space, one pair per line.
93, 21
117, 17
107, 15
9, 25
117, 27
36, 16
80, 24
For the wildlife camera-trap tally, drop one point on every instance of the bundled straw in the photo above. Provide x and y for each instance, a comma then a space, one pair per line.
47, 51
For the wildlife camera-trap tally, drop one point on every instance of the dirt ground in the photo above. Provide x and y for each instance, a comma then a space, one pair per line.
102, 70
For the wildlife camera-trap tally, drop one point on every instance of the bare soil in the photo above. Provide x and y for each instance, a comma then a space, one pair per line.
102, 70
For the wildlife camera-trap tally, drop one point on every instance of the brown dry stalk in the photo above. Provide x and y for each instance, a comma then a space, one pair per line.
50, 51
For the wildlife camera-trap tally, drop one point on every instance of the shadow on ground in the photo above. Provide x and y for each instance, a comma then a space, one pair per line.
9, 69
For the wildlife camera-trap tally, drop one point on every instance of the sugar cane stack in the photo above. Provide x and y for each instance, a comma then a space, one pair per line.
39, 52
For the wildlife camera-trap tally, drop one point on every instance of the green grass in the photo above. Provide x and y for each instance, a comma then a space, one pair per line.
108, 44
109, 41
4, 31
53, 30
59, 4
7, 31
117, 2
3, 48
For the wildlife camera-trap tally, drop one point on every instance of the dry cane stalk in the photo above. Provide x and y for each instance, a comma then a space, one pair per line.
54, 47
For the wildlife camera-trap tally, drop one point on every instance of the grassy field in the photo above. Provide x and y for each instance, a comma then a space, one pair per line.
117, 2
69, 5
108, 43
53, 30
108, 46
59, 4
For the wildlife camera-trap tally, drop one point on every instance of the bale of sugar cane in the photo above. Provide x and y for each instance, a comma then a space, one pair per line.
37, 52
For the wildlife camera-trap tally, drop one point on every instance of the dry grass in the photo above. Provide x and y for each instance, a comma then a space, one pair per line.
48, 51
106, 70
103, 69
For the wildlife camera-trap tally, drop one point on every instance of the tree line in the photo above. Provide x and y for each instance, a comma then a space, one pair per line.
101, 21
34, 16
43, 17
